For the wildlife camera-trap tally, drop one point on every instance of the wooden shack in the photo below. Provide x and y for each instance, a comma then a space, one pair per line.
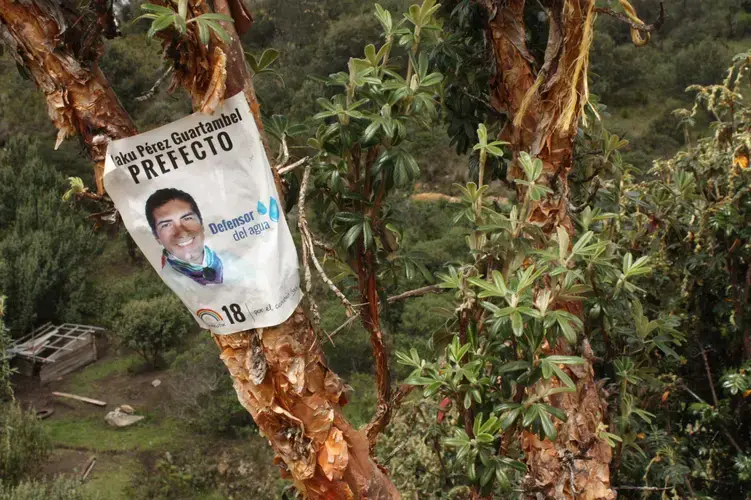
51, 351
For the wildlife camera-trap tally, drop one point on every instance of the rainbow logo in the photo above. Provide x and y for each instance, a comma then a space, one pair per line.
209, 316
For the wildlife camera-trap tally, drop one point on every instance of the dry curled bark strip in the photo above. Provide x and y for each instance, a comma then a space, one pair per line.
646, 28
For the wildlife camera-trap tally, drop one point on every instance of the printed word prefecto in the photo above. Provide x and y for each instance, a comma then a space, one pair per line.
152, 159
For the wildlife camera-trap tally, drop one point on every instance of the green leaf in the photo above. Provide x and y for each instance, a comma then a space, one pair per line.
350, 237
267, 58
367, 234
499, 282
405, 360
556, 412
547, 369
514, 366
159, 9
517, 324
161, 23
432, 79
530, 415
510, 417
213, 16
565, 360
548, 427
487, 476
182, 9
503, 481
218, 30
581, 242
182, 27
567, 329
431, 389
563, 377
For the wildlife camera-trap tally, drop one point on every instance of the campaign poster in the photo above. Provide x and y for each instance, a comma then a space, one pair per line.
198, 197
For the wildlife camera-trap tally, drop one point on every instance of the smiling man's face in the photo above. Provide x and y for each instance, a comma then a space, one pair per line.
179, 230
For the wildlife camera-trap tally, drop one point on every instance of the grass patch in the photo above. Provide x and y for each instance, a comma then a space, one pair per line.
113, 476
81, 381
93, 433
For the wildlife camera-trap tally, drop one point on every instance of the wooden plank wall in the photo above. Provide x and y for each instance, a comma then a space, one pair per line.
83, 352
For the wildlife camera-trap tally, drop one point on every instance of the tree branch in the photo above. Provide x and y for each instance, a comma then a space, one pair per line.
414, 293
647, 28
284, 169
309, 251
155, 88
643, 488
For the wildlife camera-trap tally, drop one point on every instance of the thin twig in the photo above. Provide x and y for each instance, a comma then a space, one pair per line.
414, 293
648, 28
324, 246
347, 304
401, 393
307, 241
396, 450
643, 488
283, 157
708, 370
153, 90
342, 326
284, 169
590, 198
725, 431
307, 250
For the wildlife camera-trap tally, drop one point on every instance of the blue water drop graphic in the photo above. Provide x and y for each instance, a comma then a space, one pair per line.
261, 208
273, 210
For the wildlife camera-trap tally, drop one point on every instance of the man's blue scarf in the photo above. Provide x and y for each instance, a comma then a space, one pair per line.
210, 274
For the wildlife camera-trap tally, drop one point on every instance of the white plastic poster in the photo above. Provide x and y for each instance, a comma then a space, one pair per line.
199, 199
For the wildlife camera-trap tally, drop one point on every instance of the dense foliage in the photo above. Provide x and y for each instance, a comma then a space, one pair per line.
45, 242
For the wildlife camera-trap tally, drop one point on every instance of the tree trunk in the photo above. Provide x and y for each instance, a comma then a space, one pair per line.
279, 373
79, 98
544, 107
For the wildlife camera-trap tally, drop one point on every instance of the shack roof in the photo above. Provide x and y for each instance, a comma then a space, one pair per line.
49, 342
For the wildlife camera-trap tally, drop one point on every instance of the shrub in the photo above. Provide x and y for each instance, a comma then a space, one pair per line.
6, 390
152, 326
202, 392
59, 489
245, 471
23, 443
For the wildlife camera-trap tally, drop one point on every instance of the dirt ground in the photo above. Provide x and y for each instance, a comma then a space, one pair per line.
121, 387
130, 460
120, 383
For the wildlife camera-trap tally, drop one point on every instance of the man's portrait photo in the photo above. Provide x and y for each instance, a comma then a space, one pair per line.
177, 225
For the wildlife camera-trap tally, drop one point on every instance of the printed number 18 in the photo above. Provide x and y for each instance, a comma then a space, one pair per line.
235, 312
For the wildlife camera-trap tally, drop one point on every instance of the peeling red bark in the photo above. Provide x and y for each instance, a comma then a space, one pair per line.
297, 406
79, 98
372, 323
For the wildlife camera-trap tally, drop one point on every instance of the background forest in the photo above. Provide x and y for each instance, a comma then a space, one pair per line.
681, 423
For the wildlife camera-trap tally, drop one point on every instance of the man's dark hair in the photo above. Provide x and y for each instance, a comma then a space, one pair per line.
162, 197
